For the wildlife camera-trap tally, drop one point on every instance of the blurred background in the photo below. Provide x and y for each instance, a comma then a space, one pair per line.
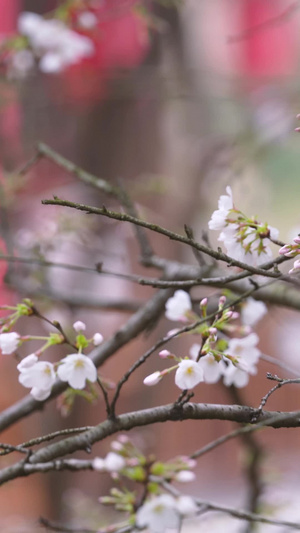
179, 100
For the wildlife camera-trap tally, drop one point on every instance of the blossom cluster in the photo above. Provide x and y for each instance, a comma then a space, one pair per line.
40, 376
49, 41
158, 511
292, 250
245, 239
75, 369
232, 358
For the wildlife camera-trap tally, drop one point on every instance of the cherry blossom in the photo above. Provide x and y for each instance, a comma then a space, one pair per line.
53, 42
185, 476
194, 351
252, 312
245, 355
188, 374
79, 326
37, 375
27, 362
97, 339
87, 20
76, 369
245, 239
232, 375
296, 266
178, 306
9, 342
292, 250
164, 512
113, 462
186, 506
158, 514
218, 219
212, 370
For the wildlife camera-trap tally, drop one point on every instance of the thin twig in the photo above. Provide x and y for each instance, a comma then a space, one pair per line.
205, 506
123, 217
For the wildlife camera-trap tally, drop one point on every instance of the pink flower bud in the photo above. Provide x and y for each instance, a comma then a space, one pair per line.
152, 379
284, 249
213, 331
203, 302
295, 267
222, 301
164, 354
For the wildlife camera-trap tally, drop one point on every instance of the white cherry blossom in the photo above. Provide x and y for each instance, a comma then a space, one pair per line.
244, 239
9, 342
252, 312
178, 305
39, 376
194, 351
212, 370
218, 218
245, 350
186, 505
79, 326
113, 462
53, 42
158, 514
27, 362
87, 20
40, 394
97, 339
185, 476
246, 356
76, 369
188, 374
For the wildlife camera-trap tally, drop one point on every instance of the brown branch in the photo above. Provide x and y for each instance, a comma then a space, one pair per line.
125, 422
123, 217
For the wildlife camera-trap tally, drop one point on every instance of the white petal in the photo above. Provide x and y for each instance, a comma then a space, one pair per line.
27, 362
40, 394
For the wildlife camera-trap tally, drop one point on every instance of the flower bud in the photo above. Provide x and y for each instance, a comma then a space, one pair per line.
185, 476
97, 339
222, 302
203, 302
79, 326
152, 379
165, 354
